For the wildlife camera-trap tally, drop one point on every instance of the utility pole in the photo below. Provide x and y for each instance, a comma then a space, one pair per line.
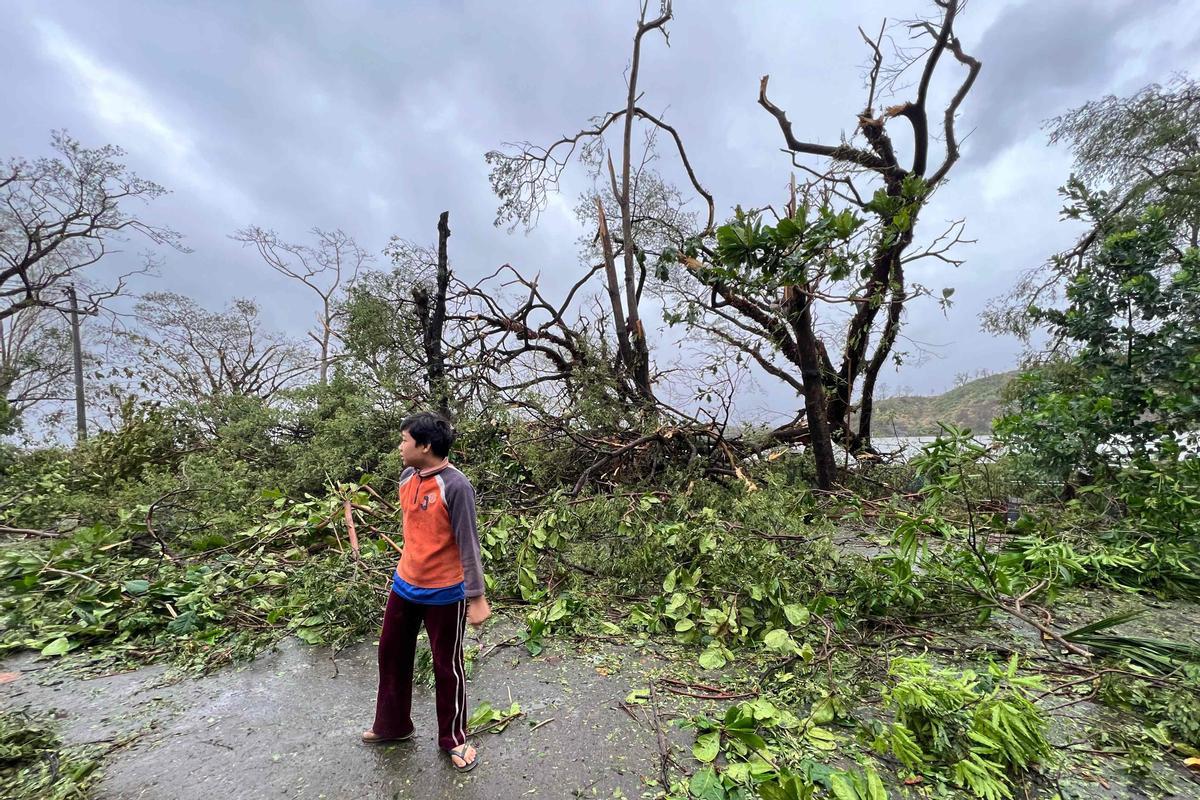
77, 352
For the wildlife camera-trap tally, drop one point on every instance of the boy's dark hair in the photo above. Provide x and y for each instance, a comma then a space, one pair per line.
431, 429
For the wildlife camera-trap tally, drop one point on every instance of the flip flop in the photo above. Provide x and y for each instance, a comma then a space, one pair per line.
369, 737
461, 752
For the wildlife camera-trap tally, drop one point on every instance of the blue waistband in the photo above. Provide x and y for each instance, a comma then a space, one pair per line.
444, 596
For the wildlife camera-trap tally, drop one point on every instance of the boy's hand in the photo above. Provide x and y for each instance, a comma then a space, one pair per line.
478, 610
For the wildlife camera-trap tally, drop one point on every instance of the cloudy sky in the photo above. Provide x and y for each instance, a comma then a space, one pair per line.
374, 117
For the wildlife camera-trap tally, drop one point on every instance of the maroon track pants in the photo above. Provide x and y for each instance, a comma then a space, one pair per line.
397, 650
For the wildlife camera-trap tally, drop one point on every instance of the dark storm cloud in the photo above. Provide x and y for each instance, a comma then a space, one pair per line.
1041, 58
374, 117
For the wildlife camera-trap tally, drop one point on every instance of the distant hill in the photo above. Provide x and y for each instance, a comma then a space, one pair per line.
973, 405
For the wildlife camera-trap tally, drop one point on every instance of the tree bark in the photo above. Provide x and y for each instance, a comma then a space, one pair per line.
891, 329
433, 320
799, 311
858, 333
640, 364
624, 350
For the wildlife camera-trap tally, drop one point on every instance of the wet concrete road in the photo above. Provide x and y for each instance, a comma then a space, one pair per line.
284, 726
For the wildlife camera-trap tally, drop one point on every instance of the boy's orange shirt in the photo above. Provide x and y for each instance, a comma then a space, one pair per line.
441, 543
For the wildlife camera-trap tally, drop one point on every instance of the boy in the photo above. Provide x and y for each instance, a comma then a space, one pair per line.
439, 582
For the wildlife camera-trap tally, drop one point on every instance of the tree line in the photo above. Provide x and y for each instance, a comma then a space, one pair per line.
811, 291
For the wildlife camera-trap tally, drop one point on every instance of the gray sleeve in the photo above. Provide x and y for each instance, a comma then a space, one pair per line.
463, 521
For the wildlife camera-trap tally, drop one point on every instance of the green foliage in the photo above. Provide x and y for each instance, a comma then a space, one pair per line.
768, 750
145, 435
1130, 393
1141, 751
732, 589
958, 508
982, 731
96, 594
1142, 147
1152, 655
34, 764
383, 334
335, 433
1152, 546
787, 787
1115, 559
754, 254
818, 239
495, 720
1174, 708
857, 784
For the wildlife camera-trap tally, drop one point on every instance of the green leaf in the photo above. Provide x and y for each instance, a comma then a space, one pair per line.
310, 635
684, 625
185, 623
138, 586
678, 600
482, 715
707, 746
779, 640
669, 581
841, 787
57, 648
823, 711
763, 710
796, 613
705, 785
739, 717
738, 772
712, 658
821, 738
789, 787
875, 790
748, 738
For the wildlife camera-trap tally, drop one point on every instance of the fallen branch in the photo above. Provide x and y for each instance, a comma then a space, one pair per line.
497, 723
386, 538
351, 531
711, 696
621, 704
506, 643
1015, 611
72, 573
664, 748
378, 497
31, 532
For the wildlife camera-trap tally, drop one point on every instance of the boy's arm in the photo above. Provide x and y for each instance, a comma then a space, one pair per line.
463, 522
